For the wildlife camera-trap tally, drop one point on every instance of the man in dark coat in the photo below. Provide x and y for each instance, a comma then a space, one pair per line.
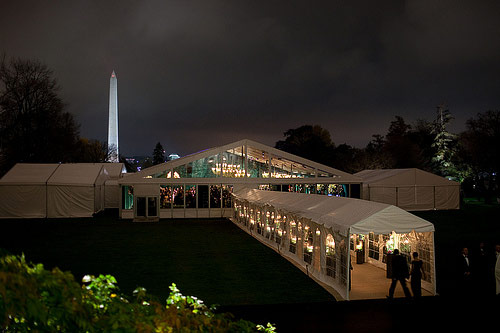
400, 273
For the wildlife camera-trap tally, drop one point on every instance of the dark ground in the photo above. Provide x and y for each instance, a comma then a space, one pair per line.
219, 263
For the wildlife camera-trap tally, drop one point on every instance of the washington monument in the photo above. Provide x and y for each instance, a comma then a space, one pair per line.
113, 119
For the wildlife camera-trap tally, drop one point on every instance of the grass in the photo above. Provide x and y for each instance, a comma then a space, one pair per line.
211, 259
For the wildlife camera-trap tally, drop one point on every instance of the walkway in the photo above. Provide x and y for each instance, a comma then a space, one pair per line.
370, 282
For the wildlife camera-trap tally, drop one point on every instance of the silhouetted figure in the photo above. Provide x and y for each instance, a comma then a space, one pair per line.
399, 273
417, 272
465, 272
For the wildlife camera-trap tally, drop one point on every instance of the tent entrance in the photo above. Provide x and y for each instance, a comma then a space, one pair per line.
146, 209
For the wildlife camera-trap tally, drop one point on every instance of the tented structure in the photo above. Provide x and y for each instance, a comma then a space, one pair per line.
23, 192
58, 190
200, 184
76, 190
320, 233
410, 189
111, 187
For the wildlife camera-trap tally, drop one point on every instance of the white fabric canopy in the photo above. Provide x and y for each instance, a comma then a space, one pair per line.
344, 215
410, 189
56, 190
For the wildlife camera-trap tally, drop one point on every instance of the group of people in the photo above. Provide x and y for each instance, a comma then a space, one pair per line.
479, 271
400, 272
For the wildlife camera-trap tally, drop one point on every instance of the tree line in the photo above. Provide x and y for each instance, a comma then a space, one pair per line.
471, 157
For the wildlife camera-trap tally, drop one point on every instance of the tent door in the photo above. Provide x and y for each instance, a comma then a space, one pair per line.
146, 209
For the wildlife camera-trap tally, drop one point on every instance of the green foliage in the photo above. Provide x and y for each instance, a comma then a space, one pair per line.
35, 299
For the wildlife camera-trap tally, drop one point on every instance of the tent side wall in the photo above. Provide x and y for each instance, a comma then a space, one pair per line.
70, 201
111, 194
23, 201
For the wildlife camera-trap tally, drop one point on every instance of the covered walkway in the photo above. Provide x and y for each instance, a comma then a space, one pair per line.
370, 282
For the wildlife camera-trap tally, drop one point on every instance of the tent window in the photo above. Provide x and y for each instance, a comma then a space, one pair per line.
215, 196
190, 196
343, 262
373, 246
127, 197
331, 260
308, 244
280, 225
269, 225
165, 197
178, 194
259, 224
293, 237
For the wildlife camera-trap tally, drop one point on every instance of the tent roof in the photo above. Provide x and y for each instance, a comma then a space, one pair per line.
76, 174
341, 214
402, 177
276, 153
24, 173
114, 170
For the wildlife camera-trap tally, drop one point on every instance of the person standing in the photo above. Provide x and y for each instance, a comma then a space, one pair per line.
417, 272
399, 273
465, 272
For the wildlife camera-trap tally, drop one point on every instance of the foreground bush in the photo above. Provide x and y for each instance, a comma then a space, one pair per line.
35, 299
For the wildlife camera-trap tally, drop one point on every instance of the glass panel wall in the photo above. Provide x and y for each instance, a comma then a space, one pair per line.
165, 197
233, 163
227, 190
127, 197
178, 196
203, 196
258, 163
190, 196
215, 196
283, 168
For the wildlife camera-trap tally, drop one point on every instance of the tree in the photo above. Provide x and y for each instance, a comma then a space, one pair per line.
401, 146
478, 153
33, 124
311, 142
443, 143
91, 151
158, 154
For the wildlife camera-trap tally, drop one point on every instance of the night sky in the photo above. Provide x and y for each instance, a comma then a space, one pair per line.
198, 74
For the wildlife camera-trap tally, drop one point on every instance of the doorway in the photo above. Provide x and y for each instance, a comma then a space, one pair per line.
146, 208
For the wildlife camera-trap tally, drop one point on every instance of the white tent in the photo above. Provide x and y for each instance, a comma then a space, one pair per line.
410, 189
23, 191
310, 224
111, 187
76, 190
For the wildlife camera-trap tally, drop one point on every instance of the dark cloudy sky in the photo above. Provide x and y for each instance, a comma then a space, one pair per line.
197, 74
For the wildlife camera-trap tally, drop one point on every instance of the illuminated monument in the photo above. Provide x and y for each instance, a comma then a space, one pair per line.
113, 119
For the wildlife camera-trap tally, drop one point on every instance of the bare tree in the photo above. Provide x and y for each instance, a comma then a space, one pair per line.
33, 124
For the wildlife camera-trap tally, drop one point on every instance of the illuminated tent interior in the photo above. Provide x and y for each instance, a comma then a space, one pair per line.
319, 234
56, 190
200, 184
410, 189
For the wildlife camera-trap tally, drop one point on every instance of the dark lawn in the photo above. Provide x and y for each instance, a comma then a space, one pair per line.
475, 222
211, 259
